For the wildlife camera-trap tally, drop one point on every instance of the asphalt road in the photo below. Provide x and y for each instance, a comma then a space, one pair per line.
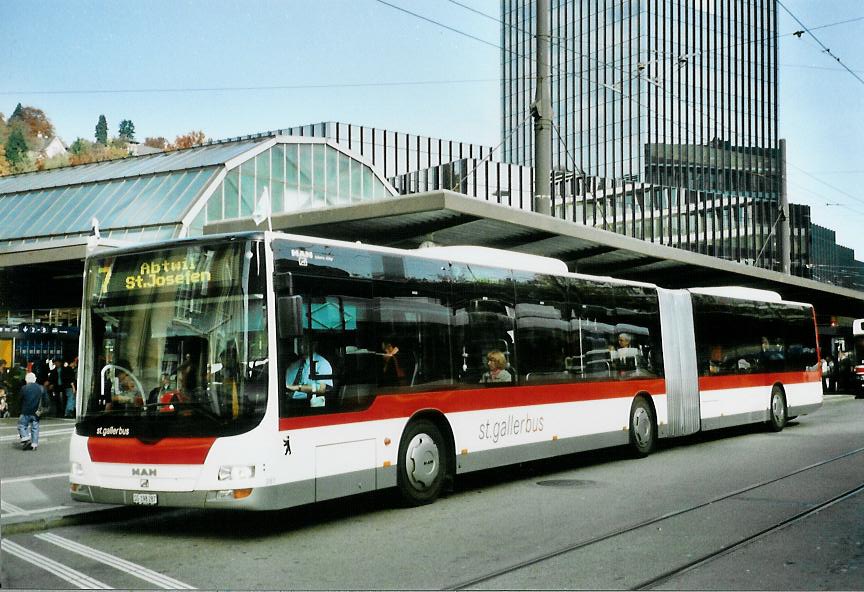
738, 509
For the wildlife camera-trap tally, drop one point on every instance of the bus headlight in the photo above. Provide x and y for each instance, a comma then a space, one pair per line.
235, 472
77, 468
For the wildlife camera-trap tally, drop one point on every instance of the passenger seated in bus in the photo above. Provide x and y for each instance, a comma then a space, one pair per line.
125, 393
392, 370
497, 364
624, 340
310, 376
626, 355
715, 360
164, 387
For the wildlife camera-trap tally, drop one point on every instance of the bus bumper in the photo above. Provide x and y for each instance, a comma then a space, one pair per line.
245, 499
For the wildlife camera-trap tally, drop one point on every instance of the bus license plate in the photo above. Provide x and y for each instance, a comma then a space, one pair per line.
144, 499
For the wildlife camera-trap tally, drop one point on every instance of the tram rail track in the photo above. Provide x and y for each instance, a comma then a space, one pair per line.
695, 563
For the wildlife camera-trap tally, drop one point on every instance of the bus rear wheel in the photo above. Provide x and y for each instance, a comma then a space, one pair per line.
422, 463
643, 428
778, 414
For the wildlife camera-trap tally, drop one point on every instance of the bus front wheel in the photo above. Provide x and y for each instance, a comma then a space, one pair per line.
422, 463
778, 412
643, 427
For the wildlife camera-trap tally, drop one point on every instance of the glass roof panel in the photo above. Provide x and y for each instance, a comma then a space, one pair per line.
54, 207
17, 206
11, 207
88, 195
121, 201
192, 188
150, 197
201, 156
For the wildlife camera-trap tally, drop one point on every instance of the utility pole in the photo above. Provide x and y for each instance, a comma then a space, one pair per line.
541, 111
784, 231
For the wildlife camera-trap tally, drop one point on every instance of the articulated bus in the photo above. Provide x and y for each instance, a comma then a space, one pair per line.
268, 370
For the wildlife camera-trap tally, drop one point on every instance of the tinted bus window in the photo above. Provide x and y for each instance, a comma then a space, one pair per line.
740, 337
411, 324
617, 329
544, 346
483, 321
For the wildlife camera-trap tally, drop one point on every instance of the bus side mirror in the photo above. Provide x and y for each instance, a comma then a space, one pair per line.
290, 316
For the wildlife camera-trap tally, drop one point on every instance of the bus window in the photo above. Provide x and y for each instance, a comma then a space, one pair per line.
543, 343
330, 366
483, 321
411, 329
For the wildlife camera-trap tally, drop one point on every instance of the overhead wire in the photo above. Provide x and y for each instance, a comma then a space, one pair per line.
822, 45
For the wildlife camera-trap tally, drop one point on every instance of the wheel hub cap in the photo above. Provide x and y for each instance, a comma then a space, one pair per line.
777, 408
422, 461
641, 426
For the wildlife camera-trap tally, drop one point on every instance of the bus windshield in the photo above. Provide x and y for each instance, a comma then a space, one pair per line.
175, 342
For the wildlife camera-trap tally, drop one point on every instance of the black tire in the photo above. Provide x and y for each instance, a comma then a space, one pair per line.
643, 428
778, 413
422, 466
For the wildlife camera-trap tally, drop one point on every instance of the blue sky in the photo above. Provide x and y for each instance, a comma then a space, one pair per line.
347, 60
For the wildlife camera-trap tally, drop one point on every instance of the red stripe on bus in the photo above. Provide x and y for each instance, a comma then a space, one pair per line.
732, 381
453, 401
167, 451
480, 399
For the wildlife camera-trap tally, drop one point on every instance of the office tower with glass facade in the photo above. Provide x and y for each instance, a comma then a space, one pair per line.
665, 118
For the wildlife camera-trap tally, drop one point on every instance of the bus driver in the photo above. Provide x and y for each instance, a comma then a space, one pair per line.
309, 376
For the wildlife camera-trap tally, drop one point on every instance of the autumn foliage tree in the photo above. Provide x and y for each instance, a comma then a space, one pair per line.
33, 121
5, 167
193, 138
82, 151
160, 142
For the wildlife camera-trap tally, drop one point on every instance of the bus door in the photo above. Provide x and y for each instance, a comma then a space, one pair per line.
679, 361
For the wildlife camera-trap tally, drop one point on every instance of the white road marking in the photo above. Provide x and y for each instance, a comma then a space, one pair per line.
64, 572
133, 569
22, 512
42, 434
10, 508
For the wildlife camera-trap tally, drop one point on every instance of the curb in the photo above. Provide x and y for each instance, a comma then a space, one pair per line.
93, 517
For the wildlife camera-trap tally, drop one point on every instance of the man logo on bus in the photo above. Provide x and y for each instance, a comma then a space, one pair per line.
287, 443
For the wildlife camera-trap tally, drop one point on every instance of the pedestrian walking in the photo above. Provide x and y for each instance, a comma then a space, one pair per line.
72, 392
60, 386
28, 422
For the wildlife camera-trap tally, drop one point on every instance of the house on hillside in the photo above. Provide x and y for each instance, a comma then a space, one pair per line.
47, 148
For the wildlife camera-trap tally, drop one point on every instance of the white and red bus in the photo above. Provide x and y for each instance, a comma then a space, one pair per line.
268, 370
857, 353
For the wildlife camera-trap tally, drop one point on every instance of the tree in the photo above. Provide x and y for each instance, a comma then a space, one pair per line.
16, 148
5, 167
80, 146
127, 130
102, 131
160, 142
35, 122
193, 138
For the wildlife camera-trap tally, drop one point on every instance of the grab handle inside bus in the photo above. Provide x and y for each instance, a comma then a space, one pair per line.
290, 316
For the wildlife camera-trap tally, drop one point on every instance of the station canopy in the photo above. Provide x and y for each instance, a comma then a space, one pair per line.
174, 194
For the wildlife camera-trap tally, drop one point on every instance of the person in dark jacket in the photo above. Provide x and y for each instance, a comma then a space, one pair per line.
60, 380
28, 422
